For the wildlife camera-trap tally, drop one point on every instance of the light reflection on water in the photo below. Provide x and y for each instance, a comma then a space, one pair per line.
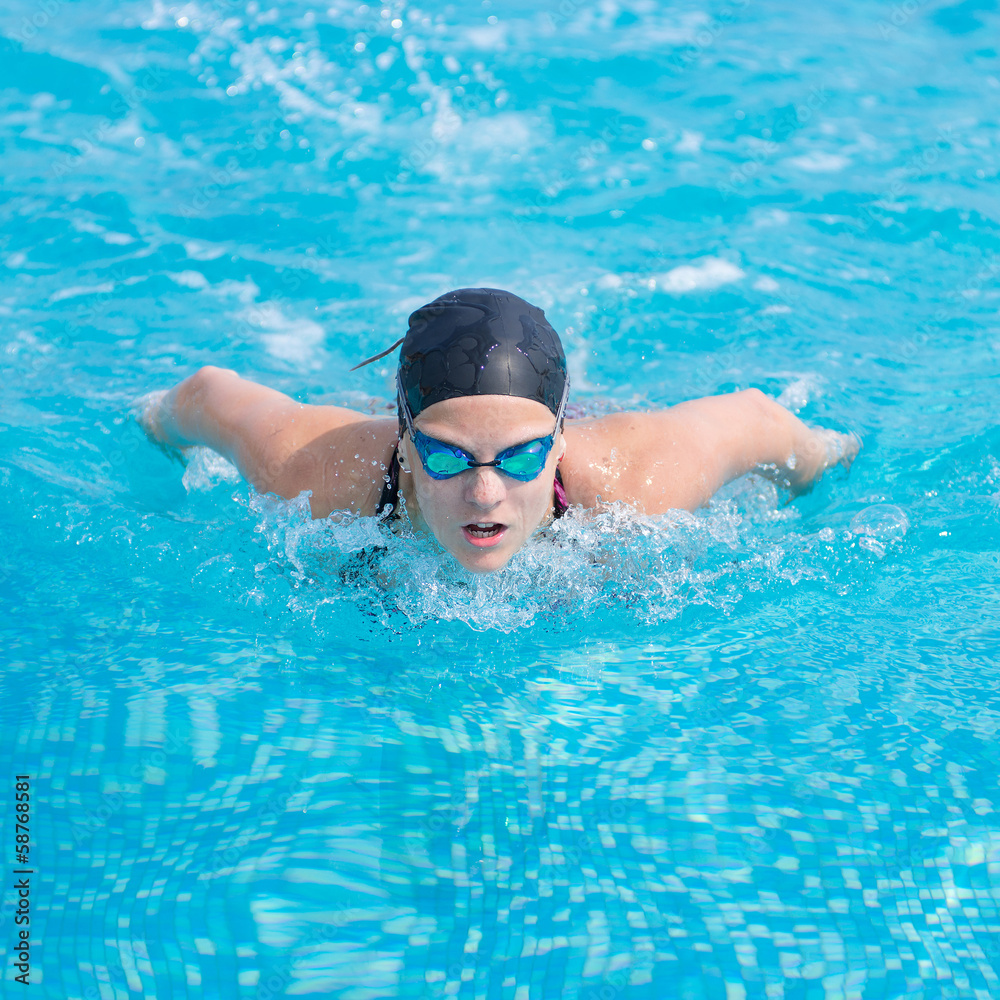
302, 811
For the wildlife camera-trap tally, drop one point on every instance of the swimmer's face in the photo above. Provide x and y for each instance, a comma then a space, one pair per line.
455, 509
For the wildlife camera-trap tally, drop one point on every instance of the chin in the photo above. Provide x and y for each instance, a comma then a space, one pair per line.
484, 561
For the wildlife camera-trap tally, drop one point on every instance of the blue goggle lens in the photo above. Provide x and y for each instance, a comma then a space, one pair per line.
523, 462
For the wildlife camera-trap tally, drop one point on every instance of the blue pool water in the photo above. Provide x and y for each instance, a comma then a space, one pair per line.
748, 753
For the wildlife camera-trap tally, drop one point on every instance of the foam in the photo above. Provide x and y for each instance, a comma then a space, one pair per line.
74, 291
650, 569
188, 279
206, 469
293, 339
819, 163
689, 142
797, 394
707, 274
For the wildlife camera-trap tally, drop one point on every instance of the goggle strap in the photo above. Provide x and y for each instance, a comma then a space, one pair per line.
408, 419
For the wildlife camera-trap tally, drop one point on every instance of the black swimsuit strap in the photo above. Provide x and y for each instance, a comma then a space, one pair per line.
388, 501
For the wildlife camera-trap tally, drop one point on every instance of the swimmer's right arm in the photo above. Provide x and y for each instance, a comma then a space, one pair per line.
183, 417
279, 445
239, 419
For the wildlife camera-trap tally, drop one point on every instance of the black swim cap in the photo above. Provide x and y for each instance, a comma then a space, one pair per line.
480, 342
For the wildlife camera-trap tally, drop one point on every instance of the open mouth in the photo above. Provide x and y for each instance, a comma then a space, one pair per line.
484, 533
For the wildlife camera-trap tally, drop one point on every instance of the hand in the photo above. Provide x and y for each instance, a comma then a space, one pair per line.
841, 449
147, 411
817, 449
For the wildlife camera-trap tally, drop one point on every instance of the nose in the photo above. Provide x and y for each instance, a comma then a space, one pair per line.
484, 488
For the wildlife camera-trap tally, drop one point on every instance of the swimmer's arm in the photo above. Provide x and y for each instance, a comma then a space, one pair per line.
678, 458
279, 445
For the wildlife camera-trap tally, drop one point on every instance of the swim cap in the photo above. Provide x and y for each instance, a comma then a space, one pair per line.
480, 342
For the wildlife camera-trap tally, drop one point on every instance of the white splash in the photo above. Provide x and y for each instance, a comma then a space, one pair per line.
689, 142
188, 279
205, 469
706, 274
797, 394
290, 338
819, 163
612, 562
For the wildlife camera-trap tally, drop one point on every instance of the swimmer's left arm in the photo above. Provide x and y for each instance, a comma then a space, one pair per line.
678, 458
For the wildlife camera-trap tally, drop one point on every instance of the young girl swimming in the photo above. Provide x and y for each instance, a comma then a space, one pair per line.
481, 455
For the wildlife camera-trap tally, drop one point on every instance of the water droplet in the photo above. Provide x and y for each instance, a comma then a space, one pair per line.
880, 525
881, 520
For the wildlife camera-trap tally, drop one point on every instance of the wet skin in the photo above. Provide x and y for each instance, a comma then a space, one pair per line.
482, 426
657, 461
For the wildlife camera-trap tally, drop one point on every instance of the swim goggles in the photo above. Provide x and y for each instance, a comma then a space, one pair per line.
523, 462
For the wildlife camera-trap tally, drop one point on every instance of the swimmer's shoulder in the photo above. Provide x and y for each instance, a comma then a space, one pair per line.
637, 458
342, 462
